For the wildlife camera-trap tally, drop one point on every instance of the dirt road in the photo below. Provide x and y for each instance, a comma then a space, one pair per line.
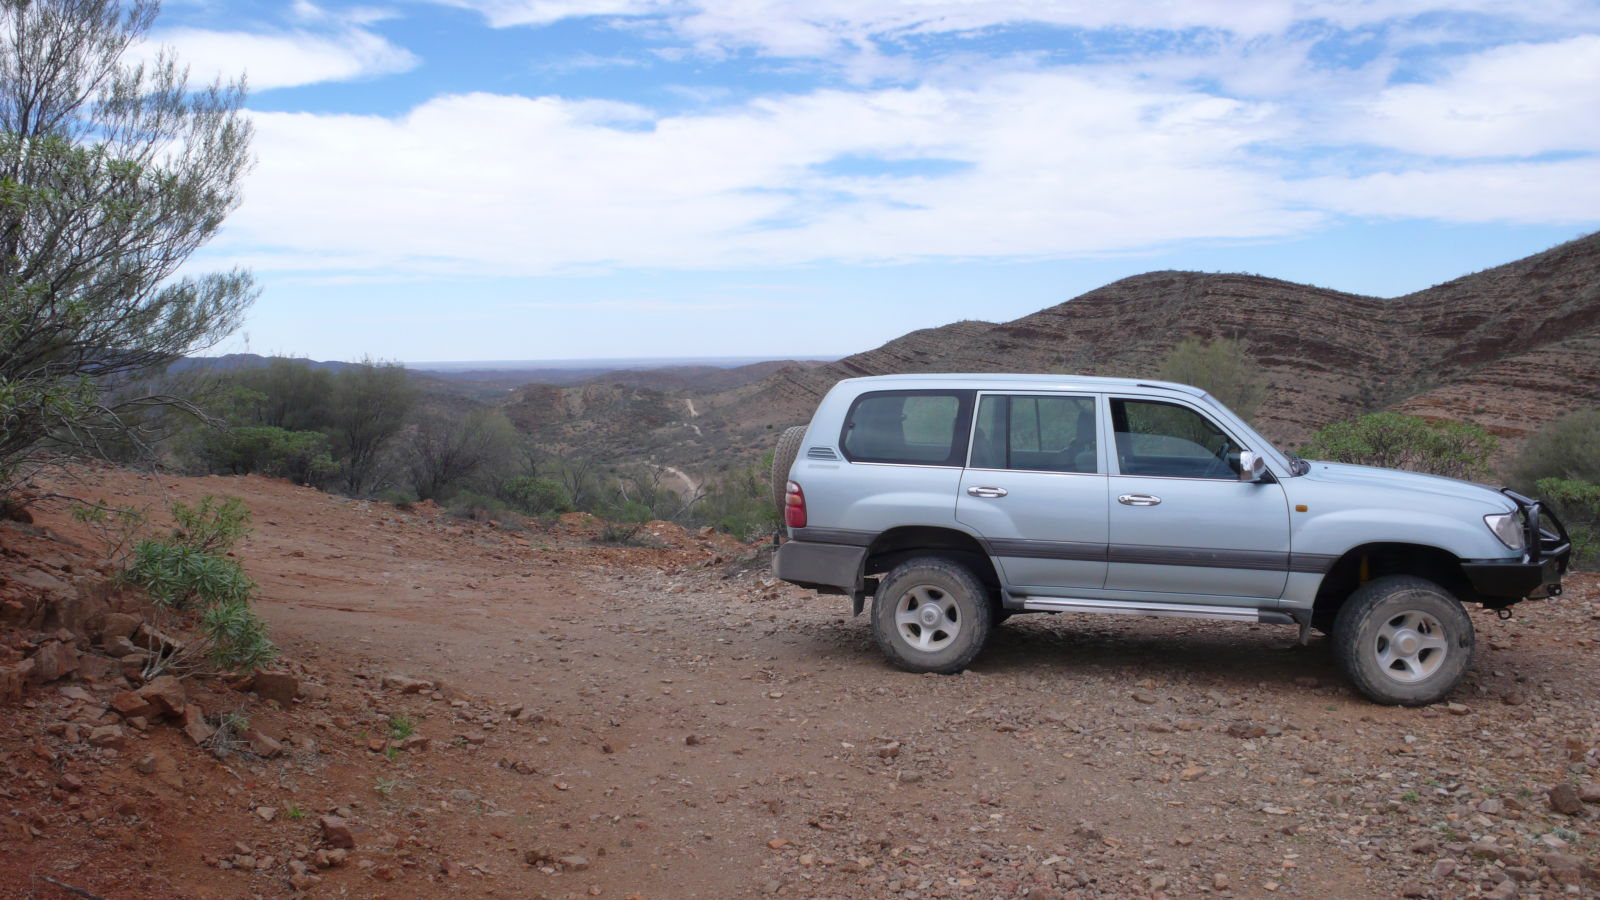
693, 730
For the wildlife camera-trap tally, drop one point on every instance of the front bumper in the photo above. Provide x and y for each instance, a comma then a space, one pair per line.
1501, 583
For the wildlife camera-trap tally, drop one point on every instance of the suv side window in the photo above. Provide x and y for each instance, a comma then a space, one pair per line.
922, 428
1036, 433
1170, 440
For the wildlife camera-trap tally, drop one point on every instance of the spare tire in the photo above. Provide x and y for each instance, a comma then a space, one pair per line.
782, 459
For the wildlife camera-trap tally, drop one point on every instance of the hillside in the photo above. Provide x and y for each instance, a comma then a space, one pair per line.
1508, 348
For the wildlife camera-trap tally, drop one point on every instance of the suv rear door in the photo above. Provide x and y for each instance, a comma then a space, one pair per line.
1035, 488
1181, 521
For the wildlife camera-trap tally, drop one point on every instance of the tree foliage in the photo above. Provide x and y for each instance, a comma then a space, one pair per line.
286, 393
1396, 441
1567, 448
368, 408
450, 445
1578, 503
111, 175
300, 456
1222, 368
537, 496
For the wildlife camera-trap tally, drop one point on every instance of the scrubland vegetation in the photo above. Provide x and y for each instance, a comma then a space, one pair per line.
369, 431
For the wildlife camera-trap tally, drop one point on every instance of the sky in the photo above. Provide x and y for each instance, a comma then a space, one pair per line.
560, 179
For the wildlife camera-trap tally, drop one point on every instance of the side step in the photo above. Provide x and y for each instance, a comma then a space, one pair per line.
1157, 608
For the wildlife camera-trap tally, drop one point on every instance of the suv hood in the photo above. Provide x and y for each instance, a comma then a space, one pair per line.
1415, 482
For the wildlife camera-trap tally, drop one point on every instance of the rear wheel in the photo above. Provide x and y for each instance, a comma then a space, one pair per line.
782, 460
1403, 641
931, 615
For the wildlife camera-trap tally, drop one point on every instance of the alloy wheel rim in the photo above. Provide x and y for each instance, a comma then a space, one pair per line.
1410, 647
927, 619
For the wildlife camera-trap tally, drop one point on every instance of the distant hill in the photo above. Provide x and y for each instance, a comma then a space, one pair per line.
492, 383
234, 362
1508, 348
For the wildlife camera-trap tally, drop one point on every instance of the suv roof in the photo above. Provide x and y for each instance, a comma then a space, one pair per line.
1027, 381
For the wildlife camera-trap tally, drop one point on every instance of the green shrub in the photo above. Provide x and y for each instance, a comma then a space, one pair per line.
1578, 505
300, 456
215, 526
1222, 368
622, 534
1567, 448
538, 496
189, 574
739, 504
399, 499
236, 638
182, 577
1396, 441
472, 505
116, 527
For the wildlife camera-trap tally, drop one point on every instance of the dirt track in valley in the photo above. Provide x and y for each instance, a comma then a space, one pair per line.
695, 730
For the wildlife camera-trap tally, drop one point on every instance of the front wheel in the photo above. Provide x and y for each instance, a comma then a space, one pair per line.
931, 615
1403, 641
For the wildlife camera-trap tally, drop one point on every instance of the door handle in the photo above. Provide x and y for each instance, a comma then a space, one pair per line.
1139, 500
990, 492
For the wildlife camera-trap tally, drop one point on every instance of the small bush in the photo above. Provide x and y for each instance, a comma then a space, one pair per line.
622, 534
116, 527
304, 457
1396, 441
739, 504
397, 498
181, 577
1578, 505
236, 637
538, 496
215, 526
1567, 448
471, 505
188, 574
1222, 368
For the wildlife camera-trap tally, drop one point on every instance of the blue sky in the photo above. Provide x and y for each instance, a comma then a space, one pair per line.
548, 179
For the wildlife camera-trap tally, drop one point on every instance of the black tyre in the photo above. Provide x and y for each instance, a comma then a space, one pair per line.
931, 615
782, 458
1403, 641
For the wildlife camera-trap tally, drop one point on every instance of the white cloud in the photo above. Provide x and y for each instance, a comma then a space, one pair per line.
1057, 164
281, 59
821, 28
1562, 192
1051, 162
1516, 100
505, 13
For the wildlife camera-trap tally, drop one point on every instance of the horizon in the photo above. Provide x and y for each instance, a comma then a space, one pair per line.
618, 363
496, 179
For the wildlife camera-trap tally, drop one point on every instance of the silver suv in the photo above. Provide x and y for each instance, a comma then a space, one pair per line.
955, 501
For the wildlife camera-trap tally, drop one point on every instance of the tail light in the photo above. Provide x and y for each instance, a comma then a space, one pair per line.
794, 506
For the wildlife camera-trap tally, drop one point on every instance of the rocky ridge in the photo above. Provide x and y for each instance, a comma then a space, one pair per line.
1508, 348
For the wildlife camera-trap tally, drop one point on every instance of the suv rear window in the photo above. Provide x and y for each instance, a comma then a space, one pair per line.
922, 428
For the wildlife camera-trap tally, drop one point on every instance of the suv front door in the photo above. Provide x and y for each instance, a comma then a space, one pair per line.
1181, 522
1035, 490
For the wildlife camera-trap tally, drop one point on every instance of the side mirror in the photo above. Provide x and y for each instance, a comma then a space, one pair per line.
1251, 466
